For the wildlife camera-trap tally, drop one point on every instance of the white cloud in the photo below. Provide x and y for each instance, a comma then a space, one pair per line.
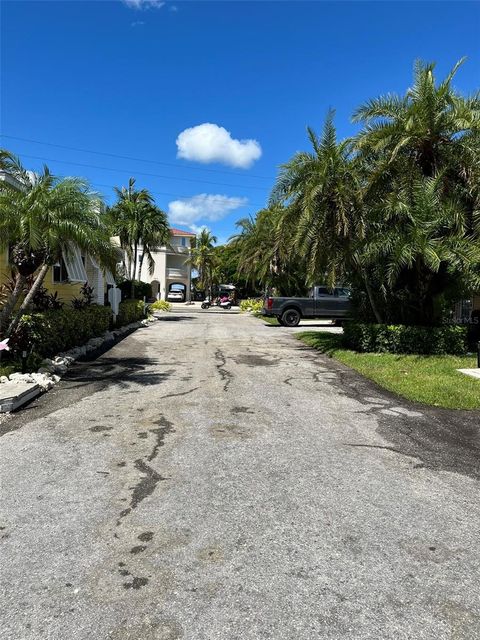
137, 23
210, 143
144, 4
202, 208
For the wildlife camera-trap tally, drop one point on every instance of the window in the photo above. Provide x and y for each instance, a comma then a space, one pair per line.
60, 272
323, 291
184, 242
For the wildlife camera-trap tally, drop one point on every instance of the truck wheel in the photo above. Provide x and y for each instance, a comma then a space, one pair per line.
291, 318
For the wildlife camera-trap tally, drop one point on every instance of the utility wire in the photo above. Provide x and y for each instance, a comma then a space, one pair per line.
175, 195
115, 155
142, 173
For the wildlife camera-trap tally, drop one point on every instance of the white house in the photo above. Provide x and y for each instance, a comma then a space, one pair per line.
172, 266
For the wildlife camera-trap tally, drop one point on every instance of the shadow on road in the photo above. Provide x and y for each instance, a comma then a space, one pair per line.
87, 378
174, 318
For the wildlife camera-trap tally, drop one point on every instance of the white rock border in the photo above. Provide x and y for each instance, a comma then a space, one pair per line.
52, 369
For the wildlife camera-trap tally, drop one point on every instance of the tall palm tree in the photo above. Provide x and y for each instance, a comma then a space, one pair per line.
138, 223
155, 233
42, 218
203, 258
264, 252
422, 126
324, 212
431, 132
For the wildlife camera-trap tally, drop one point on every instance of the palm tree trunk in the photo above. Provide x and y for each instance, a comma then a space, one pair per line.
140, 264
28, 298
371, 299
9, 306
135, 253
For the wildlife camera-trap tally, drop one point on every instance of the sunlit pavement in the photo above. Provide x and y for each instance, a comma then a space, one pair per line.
212, 478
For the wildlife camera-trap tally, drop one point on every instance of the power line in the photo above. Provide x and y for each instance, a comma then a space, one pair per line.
173, 195
115, 155
142, 173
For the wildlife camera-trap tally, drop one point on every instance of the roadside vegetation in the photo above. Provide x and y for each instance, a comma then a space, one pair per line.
139, 224
45, 219
160, 305
432, 380
392, 211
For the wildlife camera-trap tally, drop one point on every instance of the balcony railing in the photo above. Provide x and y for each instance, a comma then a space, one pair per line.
177, 249
177, 273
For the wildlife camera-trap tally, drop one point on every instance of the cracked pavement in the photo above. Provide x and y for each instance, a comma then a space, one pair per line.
212, 478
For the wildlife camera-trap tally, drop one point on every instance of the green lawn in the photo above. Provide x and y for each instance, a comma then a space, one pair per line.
269, 320
432, 380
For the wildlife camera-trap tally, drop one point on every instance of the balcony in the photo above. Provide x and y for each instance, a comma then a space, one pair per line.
178, 249
177, 273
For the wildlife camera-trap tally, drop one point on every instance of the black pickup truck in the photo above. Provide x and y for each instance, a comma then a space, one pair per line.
321, 302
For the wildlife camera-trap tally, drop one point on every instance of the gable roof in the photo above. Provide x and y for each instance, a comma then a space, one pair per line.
180, 232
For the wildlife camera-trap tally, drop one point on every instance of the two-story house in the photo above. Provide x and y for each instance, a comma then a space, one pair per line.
172, 269
68, 275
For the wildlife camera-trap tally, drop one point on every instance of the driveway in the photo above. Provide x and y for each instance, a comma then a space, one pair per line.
211, 478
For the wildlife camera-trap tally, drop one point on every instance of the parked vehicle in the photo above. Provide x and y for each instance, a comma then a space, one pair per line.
223, 303
175, 296
322, 302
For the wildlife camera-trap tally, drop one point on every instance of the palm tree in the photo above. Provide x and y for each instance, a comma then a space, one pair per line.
138, 223
264, 252
43, 218
155, 233
421, 127
324, 212
417, 236
431, 132
203, 258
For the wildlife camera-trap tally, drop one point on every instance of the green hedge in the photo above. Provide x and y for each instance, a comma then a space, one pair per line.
56, 330
130, 311
142, 289
382, 338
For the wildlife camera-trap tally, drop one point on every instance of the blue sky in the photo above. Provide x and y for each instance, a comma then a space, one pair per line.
139, 79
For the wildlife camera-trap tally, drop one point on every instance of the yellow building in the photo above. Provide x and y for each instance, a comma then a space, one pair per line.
68, 276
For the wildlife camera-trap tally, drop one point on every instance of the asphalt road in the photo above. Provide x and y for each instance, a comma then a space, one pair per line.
211, 478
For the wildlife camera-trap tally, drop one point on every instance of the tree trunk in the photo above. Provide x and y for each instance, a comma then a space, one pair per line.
28, 298
135, 253
371, 299
9, 306
140, 264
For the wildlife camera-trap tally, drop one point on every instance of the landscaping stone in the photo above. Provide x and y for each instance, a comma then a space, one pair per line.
51, 369
13, 395
473, 373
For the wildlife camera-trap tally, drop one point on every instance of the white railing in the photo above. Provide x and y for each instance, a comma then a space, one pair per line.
177, 249
177, 273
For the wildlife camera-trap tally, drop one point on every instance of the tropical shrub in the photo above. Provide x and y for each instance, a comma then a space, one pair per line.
382, 338
43, 300
56, 330
130, 311
86, 299
160, 305
251, 304
142, 289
